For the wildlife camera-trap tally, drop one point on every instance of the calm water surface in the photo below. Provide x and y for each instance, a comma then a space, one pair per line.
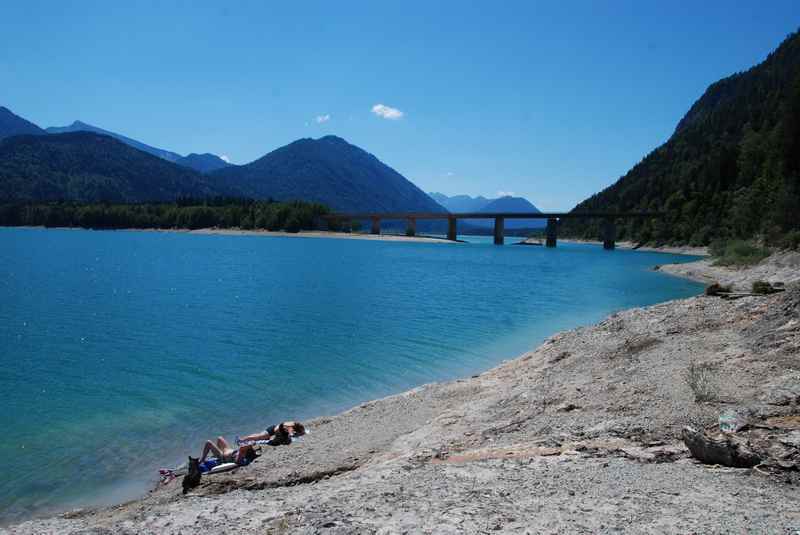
120, 352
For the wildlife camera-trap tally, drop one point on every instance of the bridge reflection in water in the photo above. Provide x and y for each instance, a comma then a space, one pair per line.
609, 227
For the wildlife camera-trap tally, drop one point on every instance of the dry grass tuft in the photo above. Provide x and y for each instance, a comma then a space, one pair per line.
702, 381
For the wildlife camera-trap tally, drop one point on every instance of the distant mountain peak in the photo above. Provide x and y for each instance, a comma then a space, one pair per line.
334, 138
328, 170
507, 203
205, 163
78, 126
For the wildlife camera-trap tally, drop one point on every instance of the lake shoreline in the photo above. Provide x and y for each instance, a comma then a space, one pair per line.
510, 427
681, 249
266, 233
626, 245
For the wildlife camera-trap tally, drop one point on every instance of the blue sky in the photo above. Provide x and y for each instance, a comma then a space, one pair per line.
553, 101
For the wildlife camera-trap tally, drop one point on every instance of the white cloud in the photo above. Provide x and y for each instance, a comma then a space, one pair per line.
449, 173
323, 118
506, 194
387, 112
225, 158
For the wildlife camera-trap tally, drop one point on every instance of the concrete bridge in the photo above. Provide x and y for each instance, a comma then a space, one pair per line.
551, 231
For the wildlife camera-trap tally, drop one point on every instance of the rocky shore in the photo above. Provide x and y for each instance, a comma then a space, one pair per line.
678, 249
320, 234
782, 267
581, 435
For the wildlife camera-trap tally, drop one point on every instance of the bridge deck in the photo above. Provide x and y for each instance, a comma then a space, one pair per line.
609, 226
487, 215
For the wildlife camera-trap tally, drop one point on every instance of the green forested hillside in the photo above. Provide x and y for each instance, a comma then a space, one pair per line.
90, 167
730, 170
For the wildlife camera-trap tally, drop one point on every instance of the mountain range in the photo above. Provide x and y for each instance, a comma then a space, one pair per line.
85, 163
204, 163
731, 169
460, 203
507, 203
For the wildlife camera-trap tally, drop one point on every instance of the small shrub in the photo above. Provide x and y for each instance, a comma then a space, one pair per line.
702, 382
791, 240
763, 288
737, 253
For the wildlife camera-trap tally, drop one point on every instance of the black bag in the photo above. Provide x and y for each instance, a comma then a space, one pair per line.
192, 478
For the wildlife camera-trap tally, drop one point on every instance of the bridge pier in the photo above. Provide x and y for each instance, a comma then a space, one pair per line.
499, 229
411, 227
452, 228
609, 233
551, 232
376, 225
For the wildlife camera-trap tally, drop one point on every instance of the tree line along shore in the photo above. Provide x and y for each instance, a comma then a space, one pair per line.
190, 214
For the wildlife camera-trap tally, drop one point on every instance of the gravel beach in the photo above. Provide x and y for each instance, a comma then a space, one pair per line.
580, 435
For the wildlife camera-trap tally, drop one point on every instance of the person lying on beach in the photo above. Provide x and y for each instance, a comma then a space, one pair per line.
226, 454
278, 434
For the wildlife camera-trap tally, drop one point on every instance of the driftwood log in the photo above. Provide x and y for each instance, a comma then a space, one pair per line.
726, 450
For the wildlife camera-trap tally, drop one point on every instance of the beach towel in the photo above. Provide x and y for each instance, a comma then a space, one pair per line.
212, 465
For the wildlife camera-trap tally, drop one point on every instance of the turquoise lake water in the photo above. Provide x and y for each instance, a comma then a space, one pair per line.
120, 352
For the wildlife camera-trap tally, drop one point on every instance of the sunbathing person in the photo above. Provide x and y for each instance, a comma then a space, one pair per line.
278, 434
225, 454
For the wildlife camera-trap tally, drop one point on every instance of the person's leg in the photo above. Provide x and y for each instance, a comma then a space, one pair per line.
255, 436
224, 446
242, 454
210, 447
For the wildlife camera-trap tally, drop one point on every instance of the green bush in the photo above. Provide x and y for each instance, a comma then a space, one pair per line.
791, 240
763, 288
294, 223
737, 253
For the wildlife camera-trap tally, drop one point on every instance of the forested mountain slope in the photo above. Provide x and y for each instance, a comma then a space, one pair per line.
731, 168
330, 171
89, 167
